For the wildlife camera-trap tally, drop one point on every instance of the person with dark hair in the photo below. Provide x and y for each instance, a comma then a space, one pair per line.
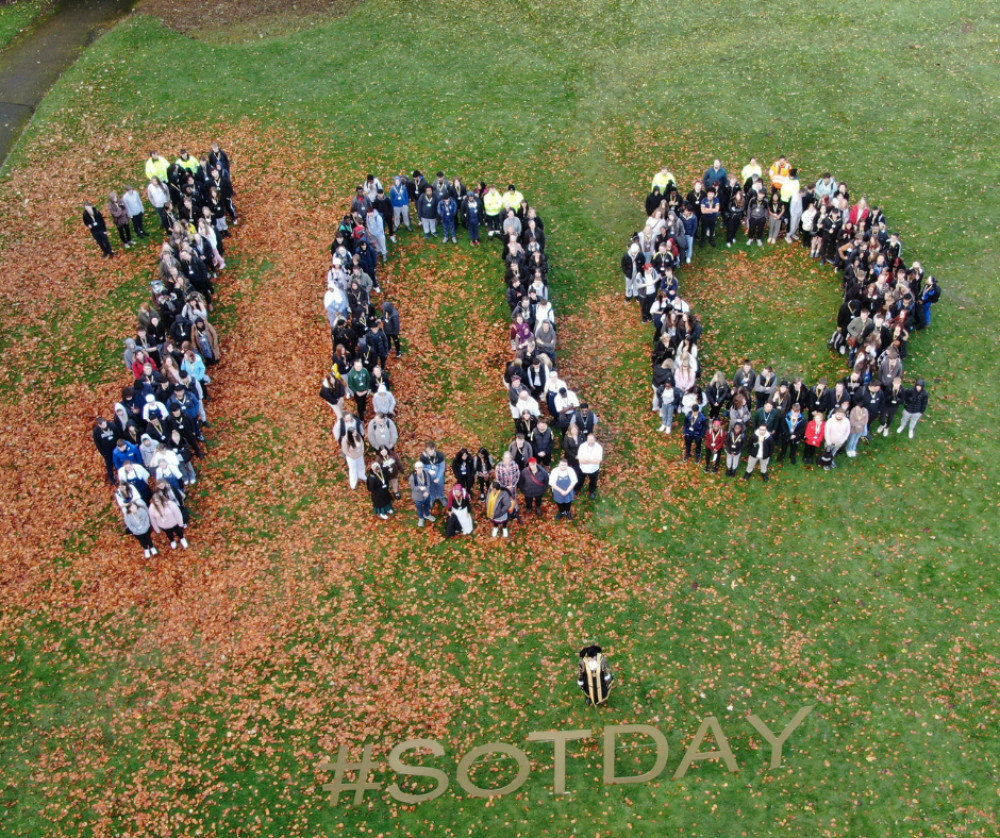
715, 442
915, 401
499, 505
378, 487
695, 428
93, 220
459, 507
595, 677
759, 450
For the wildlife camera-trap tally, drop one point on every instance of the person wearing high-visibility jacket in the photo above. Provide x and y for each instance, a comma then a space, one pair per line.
749, 170
187, 161
157, 166
493, 207
779, 172
663, 179
512, 199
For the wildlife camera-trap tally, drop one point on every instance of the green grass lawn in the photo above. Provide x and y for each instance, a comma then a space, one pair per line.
15, 17
868, 593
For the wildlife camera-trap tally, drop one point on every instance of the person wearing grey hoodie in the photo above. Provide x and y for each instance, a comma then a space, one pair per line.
137, 521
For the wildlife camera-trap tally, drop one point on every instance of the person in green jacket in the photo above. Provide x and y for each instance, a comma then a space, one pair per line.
359, 382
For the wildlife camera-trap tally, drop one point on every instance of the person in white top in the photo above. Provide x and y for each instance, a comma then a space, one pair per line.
590, 457
565, 405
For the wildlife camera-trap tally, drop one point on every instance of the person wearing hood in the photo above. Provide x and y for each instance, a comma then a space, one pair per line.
384, 401
391, 326
633, 267
914, 406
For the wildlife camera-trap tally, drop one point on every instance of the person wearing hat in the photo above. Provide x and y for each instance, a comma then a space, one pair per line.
914, 406
715, 442
420, 491
759, 451
534, 483
695, 428
595, 677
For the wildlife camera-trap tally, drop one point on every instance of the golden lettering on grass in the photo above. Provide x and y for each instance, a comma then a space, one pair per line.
362, 770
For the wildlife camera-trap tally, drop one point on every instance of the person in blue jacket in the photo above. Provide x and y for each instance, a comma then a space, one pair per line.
447, 211
690, 222
399, 197
124, 452
695, 426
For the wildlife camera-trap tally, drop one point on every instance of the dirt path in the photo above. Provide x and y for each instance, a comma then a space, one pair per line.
32, 64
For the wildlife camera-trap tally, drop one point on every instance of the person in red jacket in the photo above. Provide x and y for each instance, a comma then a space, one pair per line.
715, 441
815, 432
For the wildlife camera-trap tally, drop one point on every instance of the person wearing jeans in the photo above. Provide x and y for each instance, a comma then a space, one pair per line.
859, 421
420, 491
914, 405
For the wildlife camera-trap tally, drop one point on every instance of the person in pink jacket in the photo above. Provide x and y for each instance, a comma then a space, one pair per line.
165, 516
838, 429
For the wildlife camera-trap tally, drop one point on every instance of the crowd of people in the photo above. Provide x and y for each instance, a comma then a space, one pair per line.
542, 405
756, 412
157, 431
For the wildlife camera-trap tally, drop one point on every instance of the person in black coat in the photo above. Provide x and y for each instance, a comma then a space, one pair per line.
871, 399
792, 430
534, 482
759, 451
105, 438
736, 441
94, 221
695, 427
914, 406
542, 442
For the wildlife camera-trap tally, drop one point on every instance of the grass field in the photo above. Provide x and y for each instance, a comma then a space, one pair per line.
199, 695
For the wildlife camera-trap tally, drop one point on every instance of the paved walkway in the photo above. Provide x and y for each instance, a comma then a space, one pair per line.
32, 64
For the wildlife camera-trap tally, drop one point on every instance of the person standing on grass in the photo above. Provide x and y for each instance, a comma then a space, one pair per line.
447, 212
915, 401
133, 204
563, 481
499, 506
353, 446
378, 487
359, 382
375, 227
759, 451
137, 523
595, 677
590, 456
399, 197
427, 212
815, 437
420, 491
709, 216
473, 212
836, 432
715, 442
735, 443
695, 428
166, 517
459, 512
93, 220
435, 466
534, 484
